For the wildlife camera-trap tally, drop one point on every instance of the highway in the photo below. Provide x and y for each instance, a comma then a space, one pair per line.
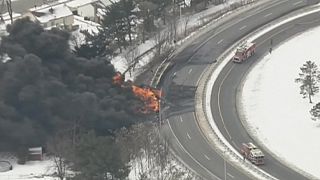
181, 81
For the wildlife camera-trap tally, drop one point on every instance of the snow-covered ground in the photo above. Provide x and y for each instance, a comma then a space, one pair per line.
39, 169
32, 170
193, 21
274, 108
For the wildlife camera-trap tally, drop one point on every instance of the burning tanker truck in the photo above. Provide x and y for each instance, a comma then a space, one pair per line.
150, 96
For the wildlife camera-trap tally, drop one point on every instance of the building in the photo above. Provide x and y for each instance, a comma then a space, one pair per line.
84, 8
49, 16
35, 154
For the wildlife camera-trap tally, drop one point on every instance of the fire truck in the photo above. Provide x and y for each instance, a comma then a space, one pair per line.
252, 153
244, 51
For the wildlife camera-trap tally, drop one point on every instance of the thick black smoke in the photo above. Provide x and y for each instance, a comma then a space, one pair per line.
44, 88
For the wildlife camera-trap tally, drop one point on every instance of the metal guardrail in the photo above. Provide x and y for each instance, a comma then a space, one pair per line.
166, 63
201, 94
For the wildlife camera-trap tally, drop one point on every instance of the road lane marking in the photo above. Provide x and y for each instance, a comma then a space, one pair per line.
296, 3
194, 159
242, 28
206, 157
181, 120
230, 175
220, 41
232, 24
267, 15
188, 136
190, 70
219, 107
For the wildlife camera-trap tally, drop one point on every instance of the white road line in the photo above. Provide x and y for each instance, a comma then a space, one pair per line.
206, 157
188, 136
183, 149
220, 41
219, 107
230, 25
268, 15
181, 120
230, 175
190, 70
296, 3
242, 28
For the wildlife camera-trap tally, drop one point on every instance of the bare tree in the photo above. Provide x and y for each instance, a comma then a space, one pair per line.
186, 22
131, 59
60, 147
9, 8
161, 41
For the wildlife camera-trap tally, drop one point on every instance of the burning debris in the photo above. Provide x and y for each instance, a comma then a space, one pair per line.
148, 95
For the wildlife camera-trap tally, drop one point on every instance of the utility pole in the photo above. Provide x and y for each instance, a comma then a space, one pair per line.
225, 167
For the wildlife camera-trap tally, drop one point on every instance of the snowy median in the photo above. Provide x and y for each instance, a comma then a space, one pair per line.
203, 96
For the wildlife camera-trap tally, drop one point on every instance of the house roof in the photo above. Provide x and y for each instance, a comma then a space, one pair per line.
108, 2
47, 13
35, 150
79, 3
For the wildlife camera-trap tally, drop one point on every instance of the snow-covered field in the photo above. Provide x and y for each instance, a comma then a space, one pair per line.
274, 108
32, 170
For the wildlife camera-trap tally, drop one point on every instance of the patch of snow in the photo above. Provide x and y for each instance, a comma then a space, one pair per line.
46, 13
32, 170
274, 108
79, 3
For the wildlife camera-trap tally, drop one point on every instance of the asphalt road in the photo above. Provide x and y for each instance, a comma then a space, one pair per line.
187, 140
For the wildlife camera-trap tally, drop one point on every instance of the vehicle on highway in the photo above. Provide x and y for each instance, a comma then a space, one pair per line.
244, 51
252, 153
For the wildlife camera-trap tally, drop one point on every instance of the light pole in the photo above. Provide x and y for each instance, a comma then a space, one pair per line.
224, 165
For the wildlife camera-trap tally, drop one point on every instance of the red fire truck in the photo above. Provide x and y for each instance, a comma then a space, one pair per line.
252, 153
244, 51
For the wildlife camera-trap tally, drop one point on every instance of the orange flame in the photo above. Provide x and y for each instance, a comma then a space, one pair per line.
150, 97
117, 79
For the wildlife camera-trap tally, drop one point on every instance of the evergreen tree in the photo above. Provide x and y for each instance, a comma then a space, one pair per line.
315, 112
161, 9
96, 45
130, 18
119, 22
308, 80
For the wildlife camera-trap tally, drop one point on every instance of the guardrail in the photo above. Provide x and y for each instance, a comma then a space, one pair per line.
202, 104
218, 16
166, 64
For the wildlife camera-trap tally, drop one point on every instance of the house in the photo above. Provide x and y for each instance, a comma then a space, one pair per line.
35, 154
58, 15
84, 8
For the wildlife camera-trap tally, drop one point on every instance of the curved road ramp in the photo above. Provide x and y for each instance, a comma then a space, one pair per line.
203, 94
